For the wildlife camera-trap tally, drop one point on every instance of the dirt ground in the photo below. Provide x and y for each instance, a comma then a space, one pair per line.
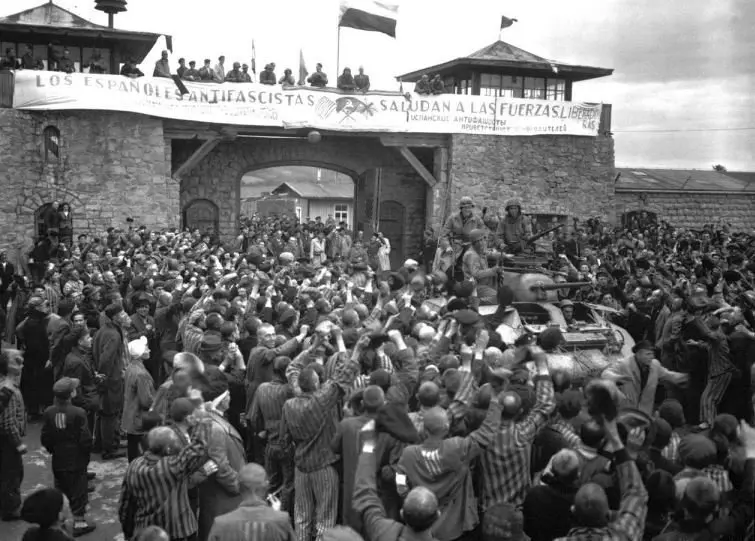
103, 502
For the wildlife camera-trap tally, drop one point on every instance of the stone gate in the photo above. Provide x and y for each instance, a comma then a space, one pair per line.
109, 166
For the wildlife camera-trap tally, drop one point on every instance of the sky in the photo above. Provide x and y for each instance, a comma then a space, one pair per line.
682, 89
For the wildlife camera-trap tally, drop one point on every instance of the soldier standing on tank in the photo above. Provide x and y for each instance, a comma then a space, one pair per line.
475, 268
457, 230
458, 226
513, 228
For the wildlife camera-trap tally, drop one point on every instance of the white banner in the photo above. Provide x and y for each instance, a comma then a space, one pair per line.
247, 104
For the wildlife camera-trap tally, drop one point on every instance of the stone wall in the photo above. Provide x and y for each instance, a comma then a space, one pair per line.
692, 210
218, 176
551, 174
110, 166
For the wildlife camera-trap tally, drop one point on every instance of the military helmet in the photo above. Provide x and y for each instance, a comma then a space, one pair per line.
476, 235
466, 201
513, 203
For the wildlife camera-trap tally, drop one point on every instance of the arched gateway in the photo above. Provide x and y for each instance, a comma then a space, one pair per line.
381, 174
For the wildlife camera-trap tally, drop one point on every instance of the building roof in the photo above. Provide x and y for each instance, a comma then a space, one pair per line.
313, 190
664, 180
51, 19
504, 56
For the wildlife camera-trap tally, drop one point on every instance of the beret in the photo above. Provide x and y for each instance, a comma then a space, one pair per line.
64, 387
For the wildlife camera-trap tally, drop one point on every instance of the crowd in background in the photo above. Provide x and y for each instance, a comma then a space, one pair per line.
290, 384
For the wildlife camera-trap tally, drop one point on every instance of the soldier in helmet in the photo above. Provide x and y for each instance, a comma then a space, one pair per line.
475, 267
513, 228
458, 226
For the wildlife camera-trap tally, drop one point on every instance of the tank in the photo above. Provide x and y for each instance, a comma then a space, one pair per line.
591, 344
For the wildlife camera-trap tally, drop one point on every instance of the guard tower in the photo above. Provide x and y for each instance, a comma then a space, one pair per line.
501, 69
49, 29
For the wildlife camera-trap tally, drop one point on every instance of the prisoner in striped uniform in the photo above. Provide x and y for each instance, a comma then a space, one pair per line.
310, 422
720, 369
506, 461
155, 486
266, 413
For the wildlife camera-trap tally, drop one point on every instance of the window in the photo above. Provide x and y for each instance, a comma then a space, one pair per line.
298, 213
500, 85
490, 84
341, 212
556, 89
464, 86
511, 86
534, 88
51, 136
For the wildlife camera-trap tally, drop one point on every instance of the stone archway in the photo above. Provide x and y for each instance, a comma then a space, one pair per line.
217, 177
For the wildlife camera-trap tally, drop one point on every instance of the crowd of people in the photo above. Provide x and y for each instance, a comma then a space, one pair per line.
290, 384
219, 73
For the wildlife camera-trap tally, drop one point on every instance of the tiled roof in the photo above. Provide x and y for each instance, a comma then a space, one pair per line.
313, 190
635, 178
504, 56
49, 14
500, 50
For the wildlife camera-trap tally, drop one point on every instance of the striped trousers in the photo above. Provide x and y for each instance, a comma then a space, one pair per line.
712, 395
315, 503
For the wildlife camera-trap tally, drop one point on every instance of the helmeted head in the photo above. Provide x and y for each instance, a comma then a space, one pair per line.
466, 205
476, 236
513, 207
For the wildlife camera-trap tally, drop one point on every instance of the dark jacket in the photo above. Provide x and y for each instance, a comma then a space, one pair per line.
78, 365
110, 356
6, 276
66, 436
732, 526
547, 511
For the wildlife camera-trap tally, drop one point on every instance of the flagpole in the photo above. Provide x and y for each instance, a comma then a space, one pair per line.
338, 51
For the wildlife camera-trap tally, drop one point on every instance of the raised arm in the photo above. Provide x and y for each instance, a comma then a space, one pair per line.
545, 402
366, 500
630, 519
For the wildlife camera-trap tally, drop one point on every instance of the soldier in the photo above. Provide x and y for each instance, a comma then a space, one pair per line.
475, 267
459, 226
513, 229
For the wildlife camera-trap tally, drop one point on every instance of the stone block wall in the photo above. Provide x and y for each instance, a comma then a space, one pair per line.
692, 210
550, 174
110, 166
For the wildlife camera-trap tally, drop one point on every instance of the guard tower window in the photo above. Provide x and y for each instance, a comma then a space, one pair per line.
52, 143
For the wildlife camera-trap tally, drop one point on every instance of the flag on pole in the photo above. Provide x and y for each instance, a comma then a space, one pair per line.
302, 69
254, 59
506, 22
370, 15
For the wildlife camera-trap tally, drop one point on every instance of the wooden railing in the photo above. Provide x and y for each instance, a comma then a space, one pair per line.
6, 89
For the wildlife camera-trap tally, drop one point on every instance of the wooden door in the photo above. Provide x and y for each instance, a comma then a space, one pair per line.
202, 214
392, 217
